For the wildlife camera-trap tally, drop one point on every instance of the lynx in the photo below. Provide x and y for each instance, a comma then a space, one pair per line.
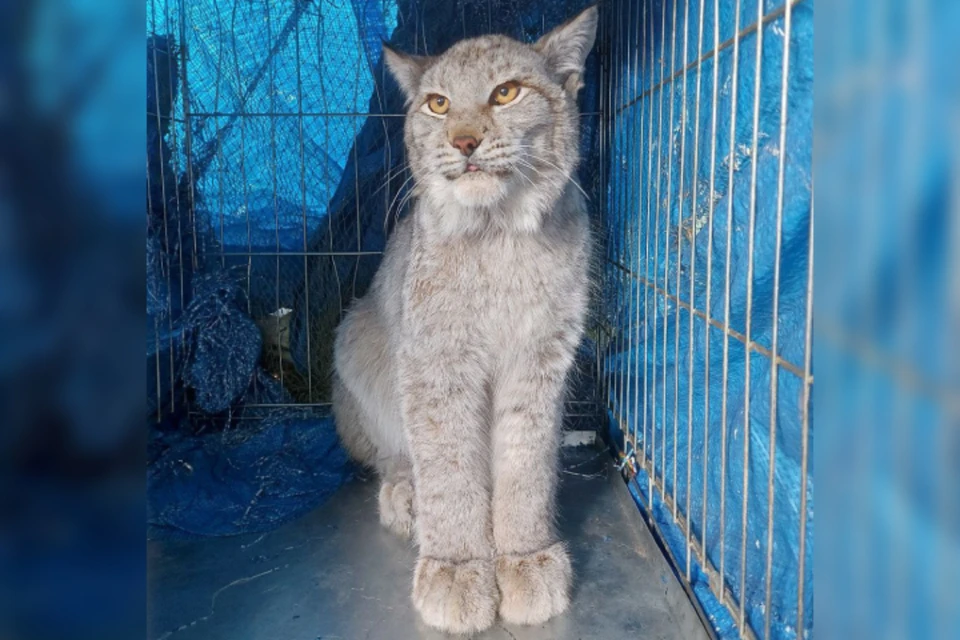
450, 372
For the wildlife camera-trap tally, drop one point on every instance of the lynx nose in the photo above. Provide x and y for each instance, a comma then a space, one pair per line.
466, 144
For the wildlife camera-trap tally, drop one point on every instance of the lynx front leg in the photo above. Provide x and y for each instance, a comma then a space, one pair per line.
454, 586
533, 568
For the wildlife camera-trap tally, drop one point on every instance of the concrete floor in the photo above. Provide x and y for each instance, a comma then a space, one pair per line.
337, 575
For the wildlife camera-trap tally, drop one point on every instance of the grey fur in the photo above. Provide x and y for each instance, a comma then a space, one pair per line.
451, 370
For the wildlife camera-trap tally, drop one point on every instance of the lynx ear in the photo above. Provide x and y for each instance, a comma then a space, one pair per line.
566, 48
406, 69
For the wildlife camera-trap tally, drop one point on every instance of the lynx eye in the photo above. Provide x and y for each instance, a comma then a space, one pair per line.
505, 93
438, 104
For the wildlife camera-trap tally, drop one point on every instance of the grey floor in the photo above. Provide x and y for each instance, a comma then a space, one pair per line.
336, 575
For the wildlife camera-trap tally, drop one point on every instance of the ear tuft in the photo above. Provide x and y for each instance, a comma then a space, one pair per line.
406, 70
566, 48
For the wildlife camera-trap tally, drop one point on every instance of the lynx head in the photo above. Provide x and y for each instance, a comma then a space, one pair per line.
492, 125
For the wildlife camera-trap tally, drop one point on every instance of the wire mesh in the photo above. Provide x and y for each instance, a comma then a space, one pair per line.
706, 368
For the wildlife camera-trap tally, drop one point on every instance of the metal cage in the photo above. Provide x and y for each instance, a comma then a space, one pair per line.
697, 154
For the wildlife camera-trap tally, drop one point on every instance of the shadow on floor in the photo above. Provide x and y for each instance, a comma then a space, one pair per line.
337, 575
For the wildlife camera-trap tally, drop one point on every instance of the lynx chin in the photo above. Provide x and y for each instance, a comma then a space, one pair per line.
450, 372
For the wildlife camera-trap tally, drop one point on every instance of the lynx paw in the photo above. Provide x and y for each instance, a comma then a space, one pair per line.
534, 587
396, 507
456, 597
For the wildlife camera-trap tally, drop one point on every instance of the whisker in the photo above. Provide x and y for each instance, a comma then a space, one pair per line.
388, 178
551, 179
569, 177
403, 202
526, 177
540, 158
386, 214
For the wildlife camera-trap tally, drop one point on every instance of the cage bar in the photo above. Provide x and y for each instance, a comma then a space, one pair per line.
174, 138
690, 315
726, 298
709, 284
187, 133
639, 66
668, 240
623, 290
805, 422
647, 390
303, 194
656, 255
775, 314
273, 160
751, 237
630, 236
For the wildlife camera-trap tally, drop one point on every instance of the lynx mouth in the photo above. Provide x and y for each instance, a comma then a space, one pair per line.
473, 171
467, 170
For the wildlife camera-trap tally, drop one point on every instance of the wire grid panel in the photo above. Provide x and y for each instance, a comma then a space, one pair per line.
272, 99
706, 312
